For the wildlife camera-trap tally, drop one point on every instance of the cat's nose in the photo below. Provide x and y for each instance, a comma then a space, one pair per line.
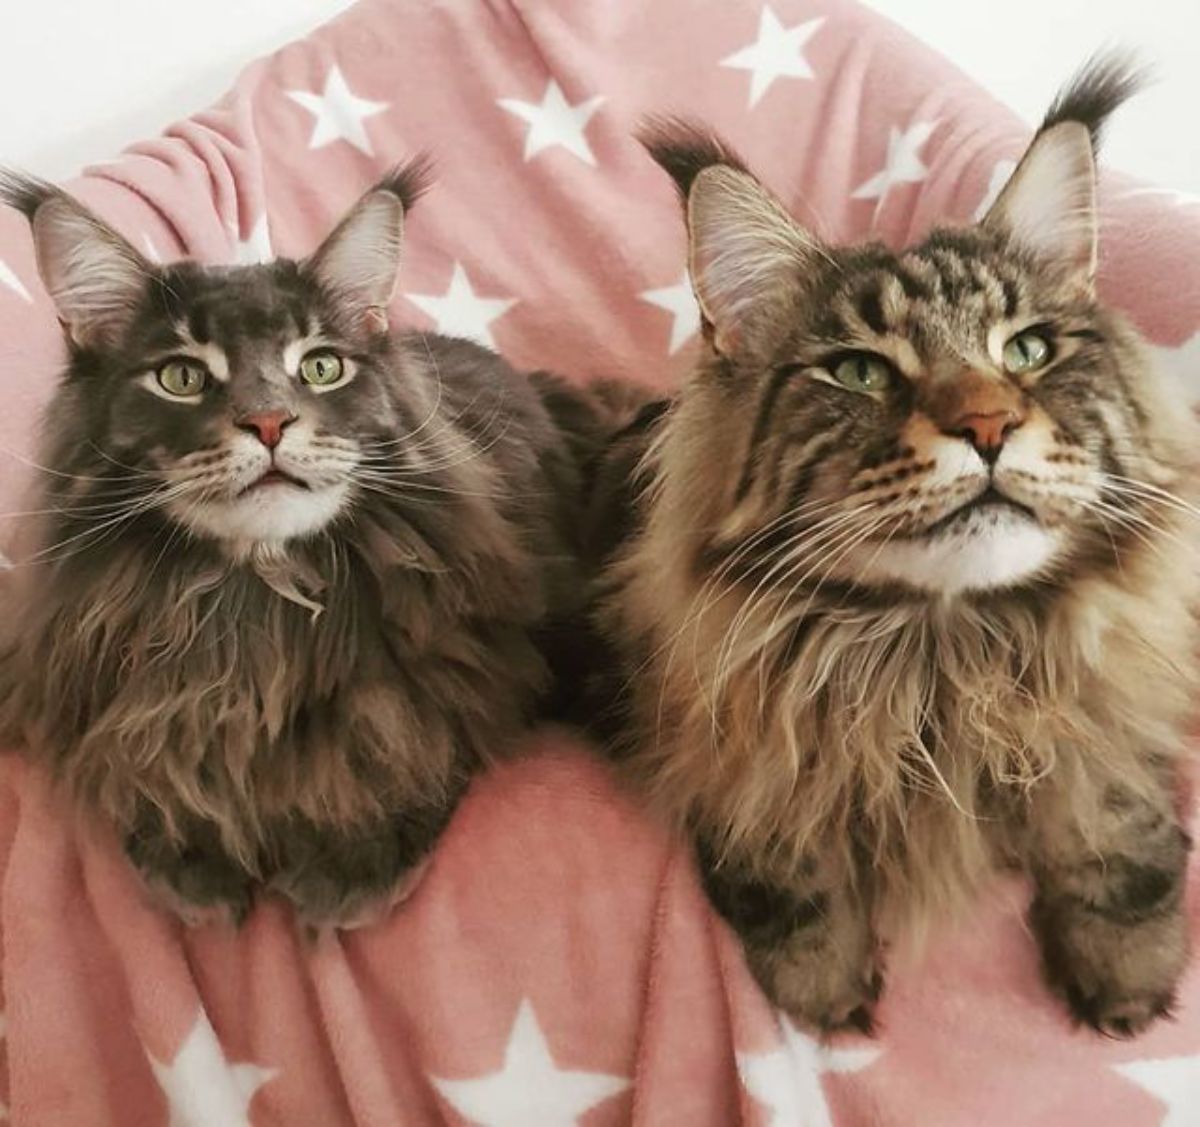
980, 408
268, 425
987, 432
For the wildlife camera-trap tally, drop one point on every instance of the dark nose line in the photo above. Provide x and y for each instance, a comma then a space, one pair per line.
987, 433
268, 426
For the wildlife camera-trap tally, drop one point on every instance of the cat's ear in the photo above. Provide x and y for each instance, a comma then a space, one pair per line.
360, 260
1048, 207
1049, 204
746, 255
94, 276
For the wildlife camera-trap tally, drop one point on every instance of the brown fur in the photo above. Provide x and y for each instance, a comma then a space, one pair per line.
855, 752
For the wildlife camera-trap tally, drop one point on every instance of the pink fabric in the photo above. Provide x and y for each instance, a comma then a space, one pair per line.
558, 964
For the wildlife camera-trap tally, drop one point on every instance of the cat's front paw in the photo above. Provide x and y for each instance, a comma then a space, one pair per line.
345, 880
825, 994
195, 880
1117, 977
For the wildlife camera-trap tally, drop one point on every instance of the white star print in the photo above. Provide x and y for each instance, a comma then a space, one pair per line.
1182, 364
339, 113
777, 53
256, 246
1001, 174
529, 1087
9, 278
1173, 1080
202, 1089
787, 1080
555, 122
460, 311
1176, 197
903, 164
680, 302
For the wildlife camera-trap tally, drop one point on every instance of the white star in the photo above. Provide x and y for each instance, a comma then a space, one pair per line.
903, 165
202, 1089
555, 122
460, 311
9, 279
1181, 364
529, 1088
680, 302
256, 246
1173, 1080
777, 53
1001, 174
1178, 198
787, 1080
339, 114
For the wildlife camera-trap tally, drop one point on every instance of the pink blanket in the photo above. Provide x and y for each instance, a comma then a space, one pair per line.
558, 965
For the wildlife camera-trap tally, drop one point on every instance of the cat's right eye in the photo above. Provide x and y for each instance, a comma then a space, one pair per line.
863, 371
185, 379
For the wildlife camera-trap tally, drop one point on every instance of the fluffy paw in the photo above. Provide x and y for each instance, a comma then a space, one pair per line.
195, 880
1118, 978
344, 881
821, 992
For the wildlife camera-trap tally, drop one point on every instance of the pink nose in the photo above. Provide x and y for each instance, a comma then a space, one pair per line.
268, 425
987, 432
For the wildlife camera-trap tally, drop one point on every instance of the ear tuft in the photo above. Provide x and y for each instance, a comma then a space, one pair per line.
94, 276
360, 260
685, 148
1049, 204
746, 255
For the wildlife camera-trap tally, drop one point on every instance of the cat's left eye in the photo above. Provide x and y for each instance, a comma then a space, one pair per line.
863, 371
183, 379
1026, 352
322, 369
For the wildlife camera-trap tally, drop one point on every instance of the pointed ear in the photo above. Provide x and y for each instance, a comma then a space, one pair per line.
360, 260
1049, 204
95, 277
746, 255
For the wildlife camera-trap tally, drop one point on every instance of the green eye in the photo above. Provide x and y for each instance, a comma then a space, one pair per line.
182, 378
863, 372
1026, 352
321, 369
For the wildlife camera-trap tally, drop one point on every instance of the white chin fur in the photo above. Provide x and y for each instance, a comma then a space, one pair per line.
990, 551
269, 515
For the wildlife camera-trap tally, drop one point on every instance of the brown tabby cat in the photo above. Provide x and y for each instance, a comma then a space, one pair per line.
294, 567
907, 594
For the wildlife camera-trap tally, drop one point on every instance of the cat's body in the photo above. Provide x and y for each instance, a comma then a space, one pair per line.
891, 616
274, 627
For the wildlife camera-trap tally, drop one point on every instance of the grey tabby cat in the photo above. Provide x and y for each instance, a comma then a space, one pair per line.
294, 568
906, 591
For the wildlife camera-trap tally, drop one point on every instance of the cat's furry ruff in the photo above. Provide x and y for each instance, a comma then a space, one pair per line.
300, 711
854, 756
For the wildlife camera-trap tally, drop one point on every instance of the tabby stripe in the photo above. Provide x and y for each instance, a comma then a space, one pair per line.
762, 422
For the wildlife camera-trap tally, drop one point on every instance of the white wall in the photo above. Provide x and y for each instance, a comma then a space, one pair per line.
81, 78
1022, 50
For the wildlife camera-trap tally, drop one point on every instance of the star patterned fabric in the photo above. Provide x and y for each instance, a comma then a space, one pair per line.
558, 965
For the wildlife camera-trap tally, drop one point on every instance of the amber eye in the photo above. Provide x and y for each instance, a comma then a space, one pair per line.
863, 371
1026, 352
182, 378
322, 369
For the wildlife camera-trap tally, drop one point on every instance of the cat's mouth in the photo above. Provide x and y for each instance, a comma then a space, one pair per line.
991, 500
274, 479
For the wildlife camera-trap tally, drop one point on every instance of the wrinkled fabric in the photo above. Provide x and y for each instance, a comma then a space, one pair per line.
558, 964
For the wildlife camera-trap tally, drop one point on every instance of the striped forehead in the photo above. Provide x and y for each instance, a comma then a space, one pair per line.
916, 305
